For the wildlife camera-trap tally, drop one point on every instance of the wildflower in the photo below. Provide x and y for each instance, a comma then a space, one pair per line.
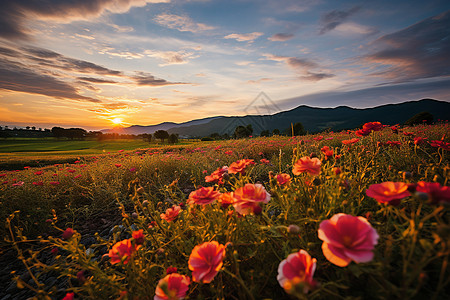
372, 126
69, 296
80, 276
337, 170
441, 144
54, 182
217, 175
132, 170
293, 229
68, 233
318, 138
362, 132
436, 192
226, 199
38, 183
122, 251
138, 236
206, 260
54, 251
240, 166
349, 142
388, 192
203, 195
171, 270
172, 287
347, 238
394, 129
265, 161
283, 179
419, 140
297, 271
247, 198
18, 183
38, 173
171, 213
327, 151
3, 175
394, 143
71, 171
118, 165
309, 165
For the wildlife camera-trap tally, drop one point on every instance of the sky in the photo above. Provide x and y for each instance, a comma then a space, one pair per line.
99, 63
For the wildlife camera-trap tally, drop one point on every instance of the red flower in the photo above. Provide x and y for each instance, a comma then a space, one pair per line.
388, 192
138, 236
172, 287
318, 138
441, 144
122, 251
118, 165
307, 164
247, 198
372, 126
297, 268
436, 192
362, 132
171, 213
327, 151
68, 233
349, 142
54, 182
206, 260
203, 195
240, 166
394, 143
38, 183
283, 179
171, 270
419, 140
38, 173
265, 161
217, 175
69, 296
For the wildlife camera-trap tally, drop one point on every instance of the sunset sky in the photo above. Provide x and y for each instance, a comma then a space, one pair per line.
93, 63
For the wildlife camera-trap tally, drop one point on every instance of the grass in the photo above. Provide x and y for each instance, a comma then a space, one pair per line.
410, 259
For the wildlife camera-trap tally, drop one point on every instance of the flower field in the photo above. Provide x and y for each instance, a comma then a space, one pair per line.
360, 214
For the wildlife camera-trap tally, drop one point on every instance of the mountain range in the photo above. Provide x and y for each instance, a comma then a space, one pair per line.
314, 119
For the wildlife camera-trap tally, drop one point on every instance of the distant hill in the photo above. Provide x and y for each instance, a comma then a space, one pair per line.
313, 119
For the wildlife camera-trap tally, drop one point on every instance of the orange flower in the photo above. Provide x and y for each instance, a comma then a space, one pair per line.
295, 269
226, 199
138, 236
307, 164
122, 251
217, 175
283, 179
172, 287
171, 213
247, 198
240, 166
206, 260
388, 192
327, 151
204, 195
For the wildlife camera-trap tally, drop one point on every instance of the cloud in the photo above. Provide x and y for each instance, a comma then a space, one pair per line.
350, 28
143, 78
96, 80
374, 96
17, 77
244, 37
181, 23
302, 65
258, 81
281, 37
170, 57
419, 51
15, 14
333, 19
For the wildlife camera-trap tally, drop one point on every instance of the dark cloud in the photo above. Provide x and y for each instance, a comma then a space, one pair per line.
96, 80
419, 51
146, 79
370, 97
301, 63
333, 19
311, 76
17, 77
15, 13
281, 37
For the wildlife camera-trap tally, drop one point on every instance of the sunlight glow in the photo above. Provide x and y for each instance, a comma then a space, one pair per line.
117, 121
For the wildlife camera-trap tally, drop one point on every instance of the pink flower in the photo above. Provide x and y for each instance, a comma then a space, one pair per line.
122, 251
132, 170
171, 213
297, 268
206, 260
68, 233
248, 198
38, 183
436, 192
18, 183
69, 296
54, 182
204, 195
388, 192
265, 161
307, 164
347, 238
172, 287
283, 179
240, 166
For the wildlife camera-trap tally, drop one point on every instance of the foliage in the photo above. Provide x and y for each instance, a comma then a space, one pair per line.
161, 134
420, 118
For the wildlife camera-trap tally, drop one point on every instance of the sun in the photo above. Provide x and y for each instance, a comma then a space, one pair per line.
117, 121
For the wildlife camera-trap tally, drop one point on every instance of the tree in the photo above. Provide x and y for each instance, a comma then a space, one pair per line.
265, 133
298, 129
33, 128
420, 118
161, 134
146, 137
276, 131
28, 127
173, 138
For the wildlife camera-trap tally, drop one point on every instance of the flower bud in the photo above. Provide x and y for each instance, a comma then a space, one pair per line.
293, 229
